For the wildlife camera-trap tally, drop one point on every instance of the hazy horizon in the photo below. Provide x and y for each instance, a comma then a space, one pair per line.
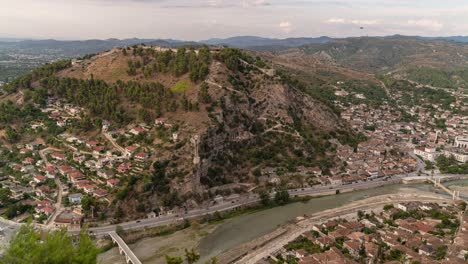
204, 19
15, 39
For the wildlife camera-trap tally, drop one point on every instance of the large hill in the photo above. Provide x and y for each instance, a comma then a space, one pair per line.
435, 62
382, 54
226, 115
215, 120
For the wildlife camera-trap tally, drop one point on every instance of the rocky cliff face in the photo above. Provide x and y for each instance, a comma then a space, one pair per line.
258, 113
246, 117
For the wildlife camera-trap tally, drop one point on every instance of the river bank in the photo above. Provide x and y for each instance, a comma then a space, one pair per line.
246, 225
154, 249
255, 250
243, 228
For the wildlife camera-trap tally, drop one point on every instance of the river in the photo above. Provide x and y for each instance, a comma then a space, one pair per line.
244, 228
241, 229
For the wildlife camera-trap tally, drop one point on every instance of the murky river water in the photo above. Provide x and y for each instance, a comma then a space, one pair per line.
247, 227
244, 228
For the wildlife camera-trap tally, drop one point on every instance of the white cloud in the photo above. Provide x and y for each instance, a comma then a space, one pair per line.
286, 26
352, 21
202, 19
336, 21
364, 22
250, 3
426, 23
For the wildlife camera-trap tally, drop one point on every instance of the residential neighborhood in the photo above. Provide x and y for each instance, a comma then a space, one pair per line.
412, 232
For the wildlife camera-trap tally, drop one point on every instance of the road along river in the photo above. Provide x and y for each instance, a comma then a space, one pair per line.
244, 228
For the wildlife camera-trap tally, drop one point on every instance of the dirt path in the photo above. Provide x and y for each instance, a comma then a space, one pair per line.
112, 141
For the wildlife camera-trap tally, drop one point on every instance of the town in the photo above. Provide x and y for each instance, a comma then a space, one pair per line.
60, 183
412, 232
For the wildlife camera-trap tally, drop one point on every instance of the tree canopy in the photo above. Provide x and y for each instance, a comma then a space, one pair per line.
54, 247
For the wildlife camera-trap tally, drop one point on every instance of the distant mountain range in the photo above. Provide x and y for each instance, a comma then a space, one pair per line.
252, 41
454, 38
75, 48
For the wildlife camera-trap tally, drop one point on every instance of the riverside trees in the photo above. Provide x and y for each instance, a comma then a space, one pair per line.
29, 246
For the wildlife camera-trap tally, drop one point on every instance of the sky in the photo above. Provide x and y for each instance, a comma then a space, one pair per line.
204, 19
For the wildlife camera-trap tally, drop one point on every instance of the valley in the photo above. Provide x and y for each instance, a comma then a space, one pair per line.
147, 136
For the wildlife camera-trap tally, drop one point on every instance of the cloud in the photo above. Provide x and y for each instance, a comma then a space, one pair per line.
426, 23
254, 3
211, 3
336, 21
286, 26
352, 21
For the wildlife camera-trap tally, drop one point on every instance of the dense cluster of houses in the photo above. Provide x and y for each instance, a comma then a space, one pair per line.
392, 137
85, 167
450, 141
414, 231
384, 153
435, 132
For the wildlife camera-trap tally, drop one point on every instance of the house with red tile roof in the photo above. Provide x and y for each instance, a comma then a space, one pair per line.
99, 193
58, 156
142, 156
76, 176
28, 161
124, 167
43, 191
64, 170
39, 178
92, 144
113, 182
137, 130
160, 121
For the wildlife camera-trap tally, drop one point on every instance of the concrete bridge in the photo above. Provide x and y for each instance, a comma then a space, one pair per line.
455, 194
124, 249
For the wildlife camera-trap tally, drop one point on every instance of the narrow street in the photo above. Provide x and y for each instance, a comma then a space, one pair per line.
58, 203
112, 141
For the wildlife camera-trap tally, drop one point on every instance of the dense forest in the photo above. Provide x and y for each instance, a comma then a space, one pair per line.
439, 77
151, 62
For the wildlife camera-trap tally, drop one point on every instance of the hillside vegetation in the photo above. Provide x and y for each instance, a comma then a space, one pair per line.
246, 116
381, 54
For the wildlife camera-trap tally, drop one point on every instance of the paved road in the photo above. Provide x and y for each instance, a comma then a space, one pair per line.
420, 163
243, 201
249, 200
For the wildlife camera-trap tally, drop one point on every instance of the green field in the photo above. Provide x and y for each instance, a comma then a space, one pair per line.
181, 87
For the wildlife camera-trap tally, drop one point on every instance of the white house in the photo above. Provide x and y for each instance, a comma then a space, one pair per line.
427, 153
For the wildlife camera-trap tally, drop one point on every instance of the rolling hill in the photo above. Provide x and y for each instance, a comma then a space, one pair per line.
433, 62
235, 109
